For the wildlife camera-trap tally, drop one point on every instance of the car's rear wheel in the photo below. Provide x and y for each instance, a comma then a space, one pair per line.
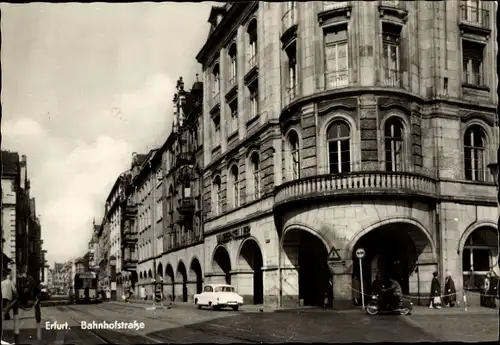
236, 308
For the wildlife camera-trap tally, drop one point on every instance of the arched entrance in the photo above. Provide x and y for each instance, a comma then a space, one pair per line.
221, 263
150, 274
133, 279
309, 254
195, 270
182, 276
479, 256
169, 272
159, 272
250, 258
393, 250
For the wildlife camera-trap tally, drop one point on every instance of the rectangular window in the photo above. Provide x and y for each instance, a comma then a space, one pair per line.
232, 125
339, 156
254, 99
216, 131
291, 91
472, 54
391, 58
336, 59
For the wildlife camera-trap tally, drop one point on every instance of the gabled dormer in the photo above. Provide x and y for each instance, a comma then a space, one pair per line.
217, 13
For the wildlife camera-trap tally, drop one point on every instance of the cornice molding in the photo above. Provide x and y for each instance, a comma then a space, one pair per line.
225, 31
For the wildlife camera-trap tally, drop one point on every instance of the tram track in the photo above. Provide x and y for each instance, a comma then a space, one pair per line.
202, 330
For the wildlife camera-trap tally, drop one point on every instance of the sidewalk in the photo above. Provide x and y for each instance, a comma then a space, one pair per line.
417, 310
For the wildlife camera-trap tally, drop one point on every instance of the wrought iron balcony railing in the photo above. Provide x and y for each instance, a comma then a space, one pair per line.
392, 78
186, 205
336, 79
289, 94
475, 16
361, 183
474, 79
252, 62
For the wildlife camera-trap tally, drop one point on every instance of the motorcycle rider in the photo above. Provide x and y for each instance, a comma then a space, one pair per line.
396, 297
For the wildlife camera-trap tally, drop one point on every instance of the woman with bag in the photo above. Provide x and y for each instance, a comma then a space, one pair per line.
435, 292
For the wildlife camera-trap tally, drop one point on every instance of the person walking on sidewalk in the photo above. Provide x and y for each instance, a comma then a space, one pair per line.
9, 294
435, 301
450, 298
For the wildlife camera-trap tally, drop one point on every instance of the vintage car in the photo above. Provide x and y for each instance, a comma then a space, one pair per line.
218, 296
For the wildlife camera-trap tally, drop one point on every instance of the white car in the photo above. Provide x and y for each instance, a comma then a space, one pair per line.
218, 296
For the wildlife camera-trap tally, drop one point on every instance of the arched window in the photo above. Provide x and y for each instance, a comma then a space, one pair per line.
216, 81
294, 147
252, 40
474, 154
235, 185
338, 137
393, 136
233, 67
216, 196
255, 175
479, 256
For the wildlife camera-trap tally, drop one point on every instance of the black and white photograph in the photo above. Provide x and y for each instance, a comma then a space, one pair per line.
249, 172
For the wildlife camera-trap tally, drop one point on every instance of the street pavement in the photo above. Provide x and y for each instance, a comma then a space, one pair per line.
183, 323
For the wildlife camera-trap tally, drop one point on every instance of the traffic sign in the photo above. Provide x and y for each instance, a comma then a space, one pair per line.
360, 253
334, 255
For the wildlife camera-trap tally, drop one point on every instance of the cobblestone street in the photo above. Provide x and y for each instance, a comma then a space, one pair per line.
183, 323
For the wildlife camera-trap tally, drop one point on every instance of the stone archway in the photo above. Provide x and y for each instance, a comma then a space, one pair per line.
159, 271
305, 271
195, 271
398, 249
479, 253
182, 277
169, 274
251, 286
221, 264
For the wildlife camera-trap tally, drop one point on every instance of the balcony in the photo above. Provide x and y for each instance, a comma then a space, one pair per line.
129, 237
185, 158
186, 206
365, 183
392, 78
290, 94
336, 79
474, 20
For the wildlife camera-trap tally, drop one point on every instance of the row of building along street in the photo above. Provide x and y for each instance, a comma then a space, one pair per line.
22, 243
315, 129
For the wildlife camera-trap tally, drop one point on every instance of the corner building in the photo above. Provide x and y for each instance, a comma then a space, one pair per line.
333, 126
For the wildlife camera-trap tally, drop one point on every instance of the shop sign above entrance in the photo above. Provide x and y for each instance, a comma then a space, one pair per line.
360, 253
232, 235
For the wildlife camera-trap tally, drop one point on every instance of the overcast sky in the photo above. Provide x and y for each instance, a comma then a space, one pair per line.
84, 86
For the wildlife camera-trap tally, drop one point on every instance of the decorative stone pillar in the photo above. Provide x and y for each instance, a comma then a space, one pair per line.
191, 287
290, 287
342, 282
271, 286
244, 285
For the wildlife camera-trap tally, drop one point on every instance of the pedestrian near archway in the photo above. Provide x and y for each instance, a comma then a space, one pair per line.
435, 301
450, 293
